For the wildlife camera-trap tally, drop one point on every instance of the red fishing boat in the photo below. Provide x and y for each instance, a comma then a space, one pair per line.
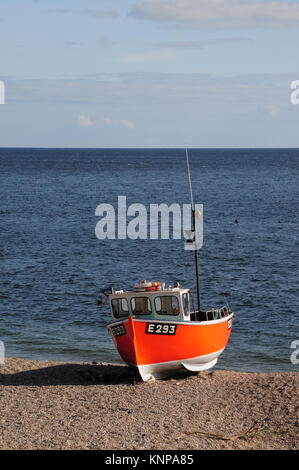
156, 331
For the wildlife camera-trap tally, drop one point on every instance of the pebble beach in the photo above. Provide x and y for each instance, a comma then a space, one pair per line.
54, 405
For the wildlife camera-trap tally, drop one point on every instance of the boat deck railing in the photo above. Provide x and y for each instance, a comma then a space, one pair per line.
206, 314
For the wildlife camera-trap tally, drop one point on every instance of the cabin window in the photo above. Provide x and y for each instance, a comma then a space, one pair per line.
141, 306
186, 307
167, 305
120, 308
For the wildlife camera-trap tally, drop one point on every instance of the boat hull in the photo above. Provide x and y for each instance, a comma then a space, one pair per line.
160, 348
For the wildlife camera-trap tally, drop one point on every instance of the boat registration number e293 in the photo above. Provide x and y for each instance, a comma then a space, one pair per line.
118, 330
160, 328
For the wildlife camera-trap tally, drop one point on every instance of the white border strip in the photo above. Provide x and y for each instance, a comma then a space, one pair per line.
187, 322
118, 322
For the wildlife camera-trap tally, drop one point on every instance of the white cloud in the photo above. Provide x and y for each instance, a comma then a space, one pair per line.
169, 109
84, 121
216, 14
127, 123
124, 122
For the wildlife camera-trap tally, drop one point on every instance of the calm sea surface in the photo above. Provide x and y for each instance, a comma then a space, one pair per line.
53, 265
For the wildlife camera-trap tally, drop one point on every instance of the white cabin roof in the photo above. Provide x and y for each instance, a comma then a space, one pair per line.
142, 293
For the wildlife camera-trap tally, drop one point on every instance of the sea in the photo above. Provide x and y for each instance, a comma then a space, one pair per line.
52, 264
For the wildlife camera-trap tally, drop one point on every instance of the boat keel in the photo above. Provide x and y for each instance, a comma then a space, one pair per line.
166, 369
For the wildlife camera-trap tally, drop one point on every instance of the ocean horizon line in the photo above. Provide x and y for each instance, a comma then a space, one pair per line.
148, 148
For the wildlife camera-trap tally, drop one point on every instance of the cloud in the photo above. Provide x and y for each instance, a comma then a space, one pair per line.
204, 110
124, 122
101, 13
88, 12
219, 14
84, 121
115, 93
202, 43
127, 123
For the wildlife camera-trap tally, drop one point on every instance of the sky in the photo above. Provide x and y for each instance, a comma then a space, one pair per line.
149, 73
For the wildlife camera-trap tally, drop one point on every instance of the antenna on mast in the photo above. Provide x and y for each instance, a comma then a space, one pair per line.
194, 231
189, 177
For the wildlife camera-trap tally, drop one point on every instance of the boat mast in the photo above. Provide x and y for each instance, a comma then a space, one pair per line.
194, 231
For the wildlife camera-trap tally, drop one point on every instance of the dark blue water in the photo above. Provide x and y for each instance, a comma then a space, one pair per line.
53, 265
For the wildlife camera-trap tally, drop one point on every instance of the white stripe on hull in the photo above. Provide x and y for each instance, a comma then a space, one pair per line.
185, 323
165, 369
